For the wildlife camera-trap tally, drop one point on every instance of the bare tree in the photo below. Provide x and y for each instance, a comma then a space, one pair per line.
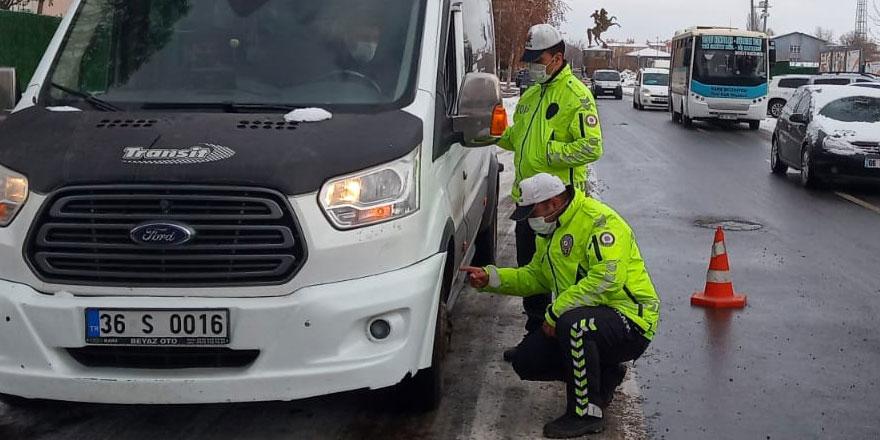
824, 34
852, 40
513, 18
9, 4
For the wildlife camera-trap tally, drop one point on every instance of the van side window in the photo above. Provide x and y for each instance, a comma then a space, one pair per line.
450, 71
447, 93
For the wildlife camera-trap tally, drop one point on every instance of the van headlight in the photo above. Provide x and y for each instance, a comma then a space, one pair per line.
13, 193
373, 196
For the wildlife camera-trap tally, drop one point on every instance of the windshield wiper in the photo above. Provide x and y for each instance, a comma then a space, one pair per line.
88, 97
228, 107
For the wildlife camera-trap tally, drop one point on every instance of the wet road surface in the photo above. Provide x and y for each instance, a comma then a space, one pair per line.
801, 360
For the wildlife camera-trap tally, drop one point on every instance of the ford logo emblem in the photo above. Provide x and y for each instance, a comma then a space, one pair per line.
162, 234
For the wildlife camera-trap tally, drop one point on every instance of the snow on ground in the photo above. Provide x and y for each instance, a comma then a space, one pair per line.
768, 125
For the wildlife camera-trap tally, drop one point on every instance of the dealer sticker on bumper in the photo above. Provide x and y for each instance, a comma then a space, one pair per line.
203, 327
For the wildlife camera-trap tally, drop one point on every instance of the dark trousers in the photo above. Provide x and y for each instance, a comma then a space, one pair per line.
536, 305
590, 342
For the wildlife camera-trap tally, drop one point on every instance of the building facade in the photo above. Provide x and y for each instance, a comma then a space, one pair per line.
798, 47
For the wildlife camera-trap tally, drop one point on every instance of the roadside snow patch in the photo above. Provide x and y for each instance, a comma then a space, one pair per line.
308, 115
768, 125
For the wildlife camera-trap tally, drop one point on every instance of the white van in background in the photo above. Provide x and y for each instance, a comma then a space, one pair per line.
652, 89
179, 226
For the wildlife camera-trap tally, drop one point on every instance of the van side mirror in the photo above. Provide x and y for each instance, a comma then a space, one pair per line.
480, 117
9, 92
798, 118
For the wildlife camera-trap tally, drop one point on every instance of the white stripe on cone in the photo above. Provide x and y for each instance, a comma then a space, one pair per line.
718, 276
718, 249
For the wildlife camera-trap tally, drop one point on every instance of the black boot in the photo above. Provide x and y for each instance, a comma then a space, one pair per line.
572, 426
611, 379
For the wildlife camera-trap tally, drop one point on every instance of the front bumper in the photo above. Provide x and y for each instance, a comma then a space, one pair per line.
312, 342
654, 101
841, 167
598, 90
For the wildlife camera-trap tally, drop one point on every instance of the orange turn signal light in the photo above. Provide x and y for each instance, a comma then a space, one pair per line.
376, 214
499, 120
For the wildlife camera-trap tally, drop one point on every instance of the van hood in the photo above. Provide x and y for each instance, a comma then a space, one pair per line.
55, 149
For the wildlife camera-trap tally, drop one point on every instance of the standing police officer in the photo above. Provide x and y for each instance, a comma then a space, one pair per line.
556, 131
604, 311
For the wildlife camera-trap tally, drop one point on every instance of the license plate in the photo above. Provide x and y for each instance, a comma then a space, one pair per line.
141, 327
727, 117
872, 163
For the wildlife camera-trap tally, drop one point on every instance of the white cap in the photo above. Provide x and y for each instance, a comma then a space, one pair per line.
541, 37
536, 189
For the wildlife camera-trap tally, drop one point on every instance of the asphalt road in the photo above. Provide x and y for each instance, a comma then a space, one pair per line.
801, 360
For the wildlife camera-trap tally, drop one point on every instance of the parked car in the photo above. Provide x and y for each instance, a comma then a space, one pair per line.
188, 238
842, 79
781, 89
607, 82
524, 81
873, 85
651, 89
829, 133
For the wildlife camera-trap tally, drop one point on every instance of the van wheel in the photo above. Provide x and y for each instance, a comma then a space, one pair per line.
754, 125
424, 391
686, 122
487, 240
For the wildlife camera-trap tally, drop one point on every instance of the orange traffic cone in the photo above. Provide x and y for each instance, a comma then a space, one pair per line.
719, 287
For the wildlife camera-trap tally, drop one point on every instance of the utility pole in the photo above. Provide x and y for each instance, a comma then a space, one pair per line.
764, 5
752, 16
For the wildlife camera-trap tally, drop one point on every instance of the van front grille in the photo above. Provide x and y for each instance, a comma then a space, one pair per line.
163, 358
240, 236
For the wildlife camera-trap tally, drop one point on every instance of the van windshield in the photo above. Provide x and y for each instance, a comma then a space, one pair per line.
656, 79
261, 52
607, 76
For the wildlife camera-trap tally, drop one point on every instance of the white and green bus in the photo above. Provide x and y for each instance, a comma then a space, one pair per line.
719, 73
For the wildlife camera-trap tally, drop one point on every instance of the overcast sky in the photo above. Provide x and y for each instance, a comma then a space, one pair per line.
650, 19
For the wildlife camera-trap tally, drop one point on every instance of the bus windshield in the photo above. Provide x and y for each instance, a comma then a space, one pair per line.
729, 61
148, 53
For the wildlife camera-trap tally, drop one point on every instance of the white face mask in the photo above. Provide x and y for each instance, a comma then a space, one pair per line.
538, 72
363, 52
541, 226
